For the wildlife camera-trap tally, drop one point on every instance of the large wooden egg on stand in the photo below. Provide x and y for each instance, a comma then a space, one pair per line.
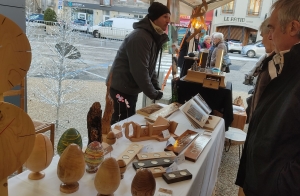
94, 155
143, 183
40, 157
70, 168
107, 179
68, 137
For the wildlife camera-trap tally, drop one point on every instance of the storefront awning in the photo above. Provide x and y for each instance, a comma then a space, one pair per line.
212, 4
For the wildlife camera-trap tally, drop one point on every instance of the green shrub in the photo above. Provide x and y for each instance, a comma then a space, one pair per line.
50, 15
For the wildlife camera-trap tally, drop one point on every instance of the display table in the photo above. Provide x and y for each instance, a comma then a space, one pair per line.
204, 171
220, 100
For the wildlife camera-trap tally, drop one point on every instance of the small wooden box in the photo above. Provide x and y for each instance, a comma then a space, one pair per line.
239, 120
200, 77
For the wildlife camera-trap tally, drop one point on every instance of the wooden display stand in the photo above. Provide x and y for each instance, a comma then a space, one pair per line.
239, 119
150, 131
209, 80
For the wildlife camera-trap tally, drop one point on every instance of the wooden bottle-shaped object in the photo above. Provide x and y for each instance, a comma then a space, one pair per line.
107, 179
94, 155
109, 109
40, 157
94, 118
111, 138
70, 168
122, 166
143, 183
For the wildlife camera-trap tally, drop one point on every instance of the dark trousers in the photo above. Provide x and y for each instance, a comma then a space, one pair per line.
121, 111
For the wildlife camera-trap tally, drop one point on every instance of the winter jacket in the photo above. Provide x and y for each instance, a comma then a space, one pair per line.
270, 163
220, 45
133, 70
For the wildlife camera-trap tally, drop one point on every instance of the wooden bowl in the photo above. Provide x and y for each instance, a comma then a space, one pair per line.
70, 168
143, 183
40, 157
107, 179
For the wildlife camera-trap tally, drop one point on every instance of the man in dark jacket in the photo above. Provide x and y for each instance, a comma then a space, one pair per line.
270, 163
133, 70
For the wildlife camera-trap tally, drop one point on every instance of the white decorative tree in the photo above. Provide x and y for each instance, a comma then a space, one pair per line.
57, 62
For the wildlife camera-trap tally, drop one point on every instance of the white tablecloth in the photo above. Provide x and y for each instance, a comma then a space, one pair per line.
204, 171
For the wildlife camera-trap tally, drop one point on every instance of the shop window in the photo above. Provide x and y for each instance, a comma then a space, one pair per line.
228, 8
254, 7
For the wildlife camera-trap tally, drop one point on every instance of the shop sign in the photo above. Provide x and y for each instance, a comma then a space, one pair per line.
74, 4
234, 19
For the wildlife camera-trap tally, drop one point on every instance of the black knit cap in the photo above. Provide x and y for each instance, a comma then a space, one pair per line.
156, 10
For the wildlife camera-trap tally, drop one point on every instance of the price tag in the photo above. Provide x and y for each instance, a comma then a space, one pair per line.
166, 133
170, 141
179, 159
171, 168
147, 149
164, 192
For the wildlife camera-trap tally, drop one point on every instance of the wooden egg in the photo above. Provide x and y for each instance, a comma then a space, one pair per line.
143, 183
68, 137
122, 166
107, 179
70, 168
93, 156
40, 157
111, 138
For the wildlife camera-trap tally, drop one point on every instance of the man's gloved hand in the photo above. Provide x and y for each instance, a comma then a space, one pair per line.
159, 95
156, 86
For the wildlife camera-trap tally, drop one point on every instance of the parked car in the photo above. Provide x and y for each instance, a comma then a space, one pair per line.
116, 28
252, 50
234, 45
80, 25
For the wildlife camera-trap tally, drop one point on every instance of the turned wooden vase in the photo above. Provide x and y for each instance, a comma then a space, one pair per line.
107, 179
40, 157
70, 168
143, 183
94, 156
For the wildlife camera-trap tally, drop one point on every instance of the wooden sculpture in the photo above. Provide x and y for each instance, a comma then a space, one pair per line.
70, 168
94, 156
17, 133
68, 137
150, 131
40, 157
143, 183
111, 138
109, 109
94, 118
107, 179
122, 166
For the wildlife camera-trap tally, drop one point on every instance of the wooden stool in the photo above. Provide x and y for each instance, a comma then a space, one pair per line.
234, 136
42, 127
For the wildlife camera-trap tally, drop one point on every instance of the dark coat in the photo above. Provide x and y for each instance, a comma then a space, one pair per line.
270, 163
134, 65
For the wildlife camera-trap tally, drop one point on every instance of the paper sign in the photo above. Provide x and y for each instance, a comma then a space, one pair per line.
171, 168
166, 133
147, 149
171, 141
179, 159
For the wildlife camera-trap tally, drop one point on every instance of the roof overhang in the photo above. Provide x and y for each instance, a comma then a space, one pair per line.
212, 4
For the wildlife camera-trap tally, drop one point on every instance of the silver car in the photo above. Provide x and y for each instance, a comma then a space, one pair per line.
253, 50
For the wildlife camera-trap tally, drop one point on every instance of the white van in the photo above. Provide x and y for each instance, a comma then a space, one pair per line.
115, 28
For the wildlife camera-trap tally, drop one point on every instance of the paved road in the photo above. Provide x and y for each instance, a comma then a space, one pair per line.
98, 54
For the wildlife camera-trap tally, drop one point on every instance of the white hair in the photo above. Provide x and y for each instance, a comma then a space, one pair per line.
206, 37
219, 36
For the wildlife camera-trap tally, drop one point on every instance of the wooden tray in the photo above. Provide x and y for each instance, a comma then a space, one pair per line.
182, 142
193, 152
148, 110
164, 112
156, 155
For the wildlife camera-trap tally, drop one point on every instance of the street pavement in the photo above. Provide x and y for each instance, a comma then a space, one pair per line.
98, 54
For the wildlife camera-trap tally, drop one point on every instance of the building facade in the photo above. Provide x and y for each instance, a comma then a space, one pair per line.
241, 19
96, 11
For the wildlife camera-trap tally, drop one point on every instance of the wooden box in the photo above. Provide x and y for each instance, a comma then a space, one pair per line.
239, 120
201, 77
